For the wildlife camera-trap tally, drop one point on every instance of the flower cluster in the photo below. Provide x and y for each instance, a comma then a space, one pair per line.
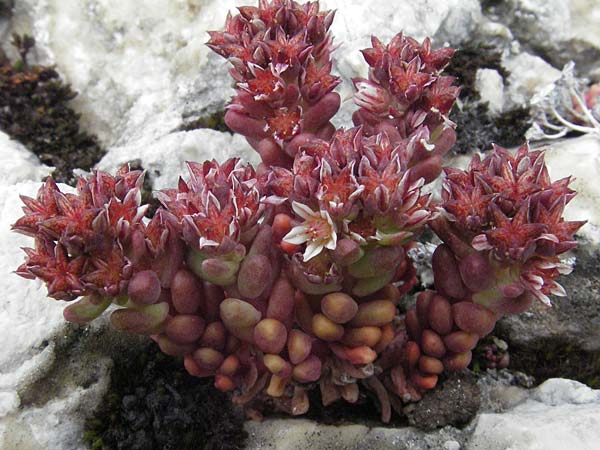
281, 58
503, 223
288, 278
81, 239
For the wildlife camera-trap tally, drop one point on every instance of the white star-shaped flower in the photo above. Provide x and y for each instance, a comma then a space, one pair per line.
317, 230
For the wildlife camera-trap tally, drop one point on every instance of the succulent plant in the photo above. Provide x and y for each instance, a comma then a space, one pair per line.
287, 278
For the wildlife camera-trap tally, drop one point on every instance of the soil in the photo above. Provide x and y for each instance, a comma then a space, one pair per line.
153, 404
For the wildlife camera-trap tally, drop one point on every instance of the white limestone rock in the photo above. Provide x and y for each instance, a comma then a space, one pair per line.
559, 414
164, 158
528, 74
579, 158
19, 164
585, 20
490, 86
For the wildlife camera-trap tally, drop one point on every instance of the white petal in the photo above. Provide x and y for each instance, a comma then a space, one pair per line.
312, 250
302, 210
542, 297
558, 290
332, 243
203, 242
297, 235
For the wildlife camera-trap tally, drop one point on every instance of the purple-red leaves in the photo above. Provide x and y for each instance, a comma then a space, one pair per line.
80, 237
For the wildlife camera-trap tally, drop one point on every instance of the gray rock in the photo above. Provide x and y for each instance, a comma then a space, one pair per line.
563, 340
560, 414
528, 74
546, 417
301, 434
556, 30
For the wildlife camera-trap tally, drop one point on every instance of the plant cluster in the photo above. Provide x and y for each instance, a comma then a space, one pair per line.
34, 110
287, 277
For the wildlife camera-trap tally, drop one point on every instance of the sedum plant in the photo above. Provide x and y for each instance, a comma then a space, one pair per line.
287, 277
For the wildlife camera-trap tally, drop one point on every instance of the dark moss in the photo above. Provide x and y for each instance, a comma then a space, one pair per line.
34, 110
153, 404
469, 58
6, 8
476, 128
214, 121
557, 359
